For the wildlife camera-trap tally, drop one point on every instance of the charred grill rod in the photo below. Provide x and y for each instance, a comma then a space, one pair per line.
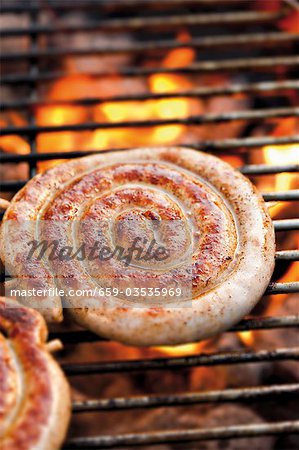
191, 120
212, 359
204, 92
166, 22
187, 398
200, 67
251, 324
149, 46
156, 438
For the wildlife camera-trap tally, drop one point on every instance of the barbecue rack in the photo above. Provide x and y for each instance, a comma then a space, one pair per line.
234, 16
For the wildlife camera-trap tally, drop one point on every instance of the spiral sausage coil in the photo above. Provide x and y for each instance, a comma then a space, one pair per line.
207, 218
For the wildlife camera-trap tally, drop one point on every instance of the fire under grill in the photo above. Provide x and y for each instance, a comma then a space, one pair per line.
258, 55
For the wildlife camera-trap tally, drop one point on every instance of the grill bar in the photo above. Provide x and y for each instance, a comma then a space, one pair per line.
232, 89
266, 323
203, 42
287, 255
190, 120
286, 224
192, 398
165, 22
212, 359
265, 169
282, 196
259, 323
87, 4
10, 186
200, 67
156, 438
229, 144
282, 288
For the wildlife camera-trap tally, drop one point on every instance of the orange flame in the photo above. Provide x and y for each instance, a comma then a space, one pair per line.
13, 144
67, 88
289, 154
292, 274
291, 22
247, 338
182, 350
282, 154
79, 87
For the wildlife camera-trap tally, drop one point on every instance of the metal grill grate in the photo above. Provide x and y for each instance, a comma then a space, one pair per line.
174, 15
